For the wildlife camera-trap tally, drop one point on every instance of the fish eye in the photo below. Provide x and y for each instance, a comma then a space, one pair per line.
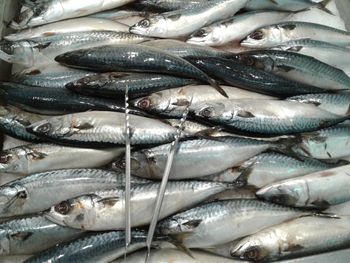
257, 35
200, 33
44, 128
63, 208
206, 112
5, 158
22, 195
144, 103
145, 23
252, 254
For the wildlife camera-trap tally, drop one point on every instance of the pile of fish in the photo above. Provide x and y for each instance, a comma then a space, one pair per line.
244, 105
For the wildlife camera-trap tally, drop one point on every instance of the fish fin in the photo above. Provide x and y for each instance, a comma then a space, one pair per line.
285, 68
293, 247
42, 46
48, 34
193, 223
116, 75
289, 26
37, 155
21, 236
321, 204
109, 201
83, 126
295, 48
245, 114
274, 2
6, 57
242, 179
323, 6
207, 132
326, 215
33, 72
180, 246
174, 17
216, 86
181, 103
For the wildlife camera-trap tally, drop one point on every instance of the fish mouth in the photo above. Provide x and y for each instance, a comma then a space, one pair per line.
136, 30
196, 41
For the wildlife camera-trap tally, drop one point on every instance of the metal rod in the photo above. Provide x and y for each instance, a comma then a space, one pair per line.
162, 188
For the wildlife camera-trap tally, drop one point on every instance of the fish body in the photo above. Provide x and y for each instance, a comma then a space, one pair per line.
36, 158
56, 10
170, 5
31, 235
297, 67
266, 117
223, 221
183, 22
99, 247
113, 84
277, 34
102, 129
337, 103
288, 5
267, 168
239, 75
105, 210
172, 102
212, 155
326, 144
295, 238
53, 101
34, 193
319, 190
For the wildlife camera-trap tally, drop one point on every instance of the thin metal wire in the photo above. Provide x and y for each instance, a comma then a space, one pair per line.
162, 188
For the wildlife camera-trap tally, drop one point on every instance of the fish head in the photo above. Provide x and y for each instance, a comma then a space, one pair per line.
12, 196
289, 194
262, 37
256, 60
157, 102
43, 13
208, 110
54, 127
250, 249
177, 225
10, 160
204, 36
74, 212
155, 26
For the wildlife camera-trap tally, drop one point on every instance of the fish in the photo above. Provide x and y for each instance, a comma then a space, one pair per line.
33, 194
54, 101
51, 11
309, 190
172, 102
223, 221
41, 157
171, 5
294, 238
225, 31
212, 155
287, 5
265, 117
242, 76
331, 54
98, 247
49, 76
175, 24
166, 255
270, 167
68, 26
337, 103
131, 58
104, 210
113, 84
183, 49
325, 144
297, 67
102, 129
27, 52
30, 235
273, 35
118, 14
13, 121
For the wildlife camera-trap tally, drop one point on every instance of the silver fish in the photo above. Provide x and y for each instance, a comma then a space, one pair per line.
175, 24
297, 67
170, 5
223, 221
277, 34
36, 158
34, 193
337, 103
105, 210
212, 156
102, 129
31, 235
68, 26
172, 102
295, 238
326, 143
320, 189
267, 168
266, 117
56, 10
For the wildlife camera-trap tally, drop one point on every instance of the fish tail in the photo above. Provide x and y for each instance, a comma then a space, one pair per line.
323, 6
216, 86
285, 146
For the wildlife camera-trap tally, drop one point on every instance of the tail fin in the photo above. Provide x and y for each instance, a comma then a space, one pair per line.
285, 146
323, 6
